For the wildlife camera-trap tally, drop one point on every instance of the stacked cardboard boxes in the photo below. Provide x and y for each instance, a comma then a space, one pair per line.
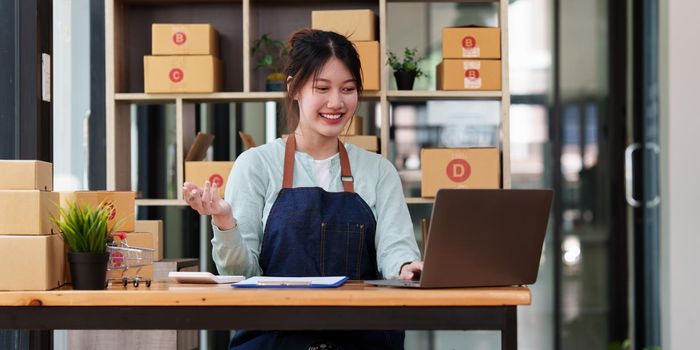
471, 59
184, 59
360, 27
31, 255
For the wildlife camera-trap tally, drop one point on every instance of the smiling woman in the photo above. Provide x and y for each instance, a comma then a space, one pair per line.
309, 205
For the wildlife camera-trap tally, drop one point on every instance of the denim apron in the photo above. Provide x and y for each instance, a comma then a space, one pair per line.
311, 232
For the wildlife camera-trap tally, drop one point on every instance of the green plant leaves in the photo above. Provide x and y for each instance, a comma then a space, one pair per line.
269, 53
408, 64
84, 228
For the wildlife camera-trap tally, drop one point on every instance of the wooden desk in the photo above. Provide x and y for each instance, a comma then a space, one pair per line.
352, 306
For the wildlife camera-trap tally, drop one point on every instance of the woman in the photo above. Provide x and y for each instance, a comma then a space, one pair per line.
309, 206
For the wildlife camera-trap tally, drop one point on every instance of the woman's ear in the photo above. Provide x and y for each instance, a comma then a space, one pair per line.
296, 95
289, 81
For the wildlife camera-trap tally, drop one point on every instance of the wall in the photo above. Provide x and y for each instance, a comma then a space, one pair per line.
680, 172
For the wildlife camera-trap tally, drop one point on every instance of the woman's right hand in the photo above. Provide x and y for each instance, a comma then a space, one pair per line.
207, 201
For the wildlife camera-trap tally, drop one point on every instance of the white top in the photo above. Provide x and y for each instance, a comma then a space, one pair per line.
323, 172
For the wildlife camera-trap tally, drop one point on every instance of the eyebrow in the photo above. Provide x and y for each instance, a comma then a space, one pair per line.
328, 81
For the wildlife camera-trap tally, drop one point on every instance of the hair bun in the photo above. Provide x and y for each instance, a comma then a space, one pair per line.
298, 35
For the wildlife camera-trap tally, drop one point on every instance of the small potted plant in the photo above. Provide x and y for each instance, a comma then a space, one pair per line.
269, 54
406, 70
85, 230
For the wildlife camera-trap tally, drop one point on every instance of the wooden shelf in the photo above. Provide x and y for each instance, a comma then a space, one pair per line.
239, 22
221, 97
456, 1
160, 202
166, 2
399, 95
217, 97
419, 200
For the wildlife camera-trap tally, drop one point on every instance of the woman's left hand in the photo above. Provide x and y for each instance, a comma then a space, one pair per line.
411, 271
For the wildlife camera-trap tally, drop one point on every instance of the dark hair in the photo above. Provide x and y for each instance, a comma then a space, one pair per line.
309, 50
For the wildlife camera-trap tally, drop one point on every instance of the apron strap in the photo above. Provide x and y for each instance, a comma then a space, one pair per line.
288, 177
345, 172
289, 149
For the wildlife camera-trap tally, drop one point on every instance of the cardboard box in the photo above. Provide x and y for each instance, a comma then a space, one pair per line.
138, 240
214, 172
188, 74
469, 75
357, 25
368, 142
247, 139
121, 205
27, 212
199, 147
31, 262
26, 175
154, 227
471, 42
458, 168
354, 127
184, 39
369, 60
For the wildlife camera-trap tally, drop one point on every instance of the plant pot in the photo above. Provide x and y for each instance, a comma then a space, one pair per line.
404, 80
88, 270
274, 82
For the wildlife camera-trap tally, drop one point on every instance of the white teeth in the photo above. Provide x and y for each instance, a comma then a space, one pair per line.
331, 116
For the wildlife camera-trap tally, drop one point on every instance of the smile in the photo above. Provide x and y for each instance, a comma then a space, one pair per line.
335, 118
331, 116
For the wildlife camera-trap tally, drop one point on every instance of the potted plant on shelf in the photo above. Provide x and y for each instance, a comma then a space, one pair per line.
269, 54
406, 70
85, 230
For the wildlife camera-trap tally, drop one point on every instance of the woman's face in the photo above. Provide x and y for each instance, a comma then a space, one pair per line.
327, 103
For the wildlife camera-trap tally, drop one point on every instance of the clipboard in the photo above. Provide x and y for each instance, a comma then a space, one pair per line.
291, 282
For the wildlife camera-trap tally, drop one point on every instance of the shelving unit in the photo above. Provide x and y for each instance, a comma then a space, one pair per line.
127, 40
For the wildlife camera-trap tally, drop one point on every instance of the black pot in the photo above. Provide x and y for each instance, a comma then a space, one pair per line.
88, 271
404, 79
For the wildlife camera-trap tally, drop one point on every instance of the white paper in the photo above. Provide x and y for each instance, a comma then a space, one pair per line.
202, 277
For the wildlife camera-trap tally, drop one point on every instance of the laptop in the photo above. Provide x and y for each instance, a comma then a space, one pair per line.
483, 238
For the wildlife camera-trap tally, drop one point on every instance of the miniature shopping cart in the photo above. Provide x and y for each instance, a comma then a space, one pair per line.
127, 258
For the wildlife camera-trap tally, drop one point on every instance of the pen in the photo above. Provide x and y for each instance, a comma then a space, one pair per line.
283, 283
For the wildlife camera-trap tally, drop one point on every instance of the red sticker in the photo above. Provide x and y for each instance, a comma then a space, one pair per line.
468, 42
179, 38
217, 180
111, 210
471, 74
458, 170
176, 75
